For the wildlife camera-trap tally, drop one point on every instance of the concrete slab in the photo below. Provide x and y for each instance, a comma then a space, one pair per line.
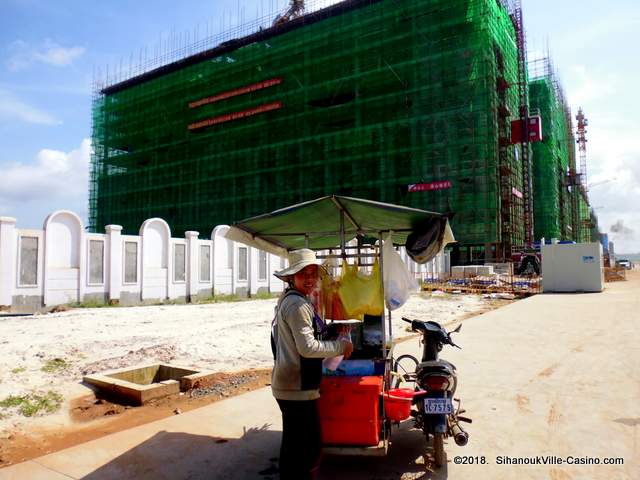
31, 470
551, 376
140, 384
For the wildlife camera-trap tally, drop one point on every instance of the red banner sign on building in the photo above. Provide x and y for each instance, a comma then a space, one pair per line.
235, 115
426, 187
238, 91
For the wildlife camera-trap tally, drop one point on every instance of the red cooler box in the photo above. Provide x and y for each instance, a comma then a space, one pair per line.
350, 410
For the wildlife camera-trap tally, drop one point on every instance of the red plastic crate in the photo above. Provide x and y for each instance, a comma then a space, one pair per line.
350, 410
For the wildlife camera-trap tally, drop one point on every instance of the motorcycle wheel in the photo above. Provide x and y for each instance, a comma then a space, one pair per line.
439, 455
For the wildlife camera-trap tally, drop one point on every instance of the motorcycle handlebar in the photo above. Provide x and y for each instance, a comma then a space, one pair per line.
447, 339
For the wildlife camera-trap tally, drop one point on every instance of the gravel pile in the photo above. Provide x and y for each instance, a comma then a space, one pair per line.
222, 388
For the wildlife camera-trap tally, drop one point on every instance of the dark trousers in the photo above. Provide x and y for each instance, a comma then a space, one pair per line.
301, 441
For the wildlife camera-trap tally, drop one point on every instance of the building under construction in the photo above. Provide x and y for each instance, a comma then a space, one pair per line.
408, 102
561, 206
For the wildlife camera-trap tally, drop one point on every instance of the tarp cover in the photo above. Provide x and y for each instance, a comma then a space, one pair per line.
316, 225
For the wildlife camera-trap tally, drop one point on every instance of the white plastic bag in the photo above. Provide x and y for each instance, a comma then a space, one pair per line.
398, 281
332, 363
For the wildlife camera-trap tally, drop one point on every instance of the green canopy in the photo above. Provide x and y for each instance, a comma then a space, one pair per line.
317, 224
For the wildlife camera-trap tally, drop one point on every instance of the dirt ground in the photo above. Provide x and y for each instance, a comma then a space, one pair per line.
92, 418
230, 338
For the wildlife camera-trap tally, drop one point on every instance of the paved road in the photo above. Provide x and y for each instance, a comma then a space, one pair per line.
553, 375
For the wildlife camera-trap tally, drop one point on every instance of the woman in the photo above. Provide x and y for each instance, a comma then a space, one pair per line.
297, 372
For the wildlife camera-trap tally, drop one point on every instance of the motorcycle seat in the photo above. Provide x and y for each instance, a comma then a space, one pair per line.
437, 366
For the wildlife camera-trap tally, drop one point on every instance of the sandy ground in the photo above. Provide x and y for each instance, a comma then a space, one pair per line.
224, 337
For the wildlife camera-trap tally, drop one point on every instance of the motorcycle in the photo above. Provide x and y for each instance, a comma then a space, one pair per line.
435, 381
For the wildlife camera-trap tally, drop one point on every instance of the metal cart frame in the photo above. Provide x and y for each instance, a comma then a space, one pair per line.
284, 230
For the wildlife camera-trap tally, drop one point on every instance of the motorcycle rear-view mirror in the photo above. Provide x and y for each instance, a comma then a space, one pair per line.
458, 328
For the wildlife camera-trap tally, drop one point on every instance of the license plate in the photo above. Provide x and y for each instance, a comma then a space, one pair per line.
438, 405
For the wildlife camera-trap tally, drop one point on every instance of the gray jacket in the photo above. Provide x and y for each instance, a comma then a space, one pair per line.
298, 364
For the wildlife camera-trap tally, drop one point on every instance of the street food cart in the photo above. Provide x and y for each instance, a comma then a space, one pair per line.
355, 419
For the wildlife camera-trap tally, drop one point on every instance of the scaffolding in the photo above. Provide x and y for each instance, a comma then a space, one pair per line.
362, 98
581, 130
557, 187
523, 92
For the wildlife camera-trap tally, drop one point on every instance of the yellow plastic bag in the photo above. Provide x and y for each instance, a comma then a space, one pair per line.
361, 293
329, 299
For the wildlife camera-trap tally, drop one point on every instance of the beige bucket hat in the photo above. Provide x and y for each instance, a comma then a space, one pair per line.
298, 259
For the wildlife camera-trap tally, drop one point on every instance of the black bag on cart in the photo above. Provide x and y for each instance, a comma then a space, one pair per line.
424, 243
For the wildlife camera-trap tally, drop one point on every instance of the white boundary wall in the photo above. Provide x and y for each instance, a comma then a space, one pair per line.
62, 263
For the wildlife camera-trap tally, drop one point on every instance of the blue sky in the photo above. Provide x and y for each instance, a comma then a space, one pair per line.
50, 50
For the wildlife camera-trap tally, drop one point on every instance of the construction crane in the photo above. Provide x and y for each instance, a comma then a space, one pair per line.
583, 123
295, 10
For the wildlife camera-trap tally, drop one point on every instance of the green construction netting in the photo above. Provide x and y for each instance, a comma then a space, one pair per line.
553, 208
586, 230
392, 93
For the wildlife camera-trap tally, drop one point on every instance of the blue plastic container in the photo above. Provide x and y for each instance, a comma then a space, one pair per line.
351, 368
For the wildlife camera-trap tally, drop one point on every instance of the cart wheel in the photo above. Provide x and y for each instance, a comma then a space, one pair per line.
439, 455
404, 365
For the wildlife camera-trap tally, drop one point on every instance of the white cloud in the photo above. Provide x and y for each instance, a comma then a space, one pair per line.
12, 109
590, 86
614, 171
613, 153
53, 176
51, 53
601, 28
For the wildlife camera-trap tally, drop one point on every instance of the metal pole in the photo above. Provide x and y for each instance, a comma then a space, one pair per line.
342, 242
389, 322
387, 364
384, 329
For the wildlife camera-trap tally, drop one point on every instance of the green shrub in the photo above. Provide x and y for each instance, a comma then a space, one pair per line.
90, 303
265, 295
33, 404
11, 401
55, 365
